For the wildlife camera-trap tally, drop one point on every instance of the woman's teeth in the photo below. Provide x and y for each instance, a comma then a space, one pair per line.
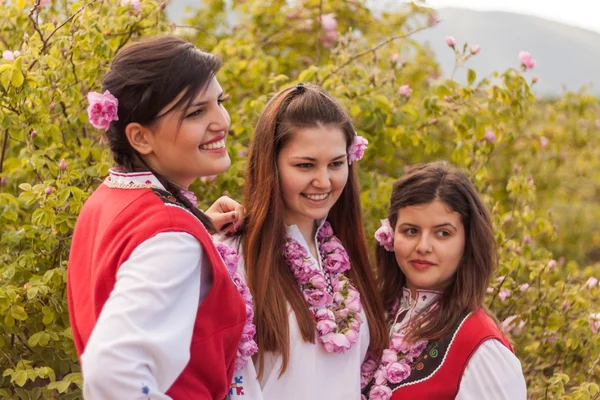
316, 197
214, 145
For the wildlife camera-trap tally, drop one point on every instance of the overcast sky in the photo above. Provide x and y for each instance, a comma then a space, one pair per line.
581, 13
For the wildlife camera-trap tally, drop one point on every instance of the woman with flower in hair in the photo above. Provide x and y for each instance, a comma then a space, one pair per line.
304, 252
436, 256
154, 311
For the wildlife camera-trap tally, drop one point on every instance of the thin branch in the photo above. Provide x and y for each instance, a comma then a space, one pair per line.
61, 25
371, 50
318, 42
4, 146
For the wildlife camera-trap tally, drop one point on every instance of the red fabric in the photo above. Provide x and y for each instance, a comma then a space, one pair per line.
112, 223
445, 383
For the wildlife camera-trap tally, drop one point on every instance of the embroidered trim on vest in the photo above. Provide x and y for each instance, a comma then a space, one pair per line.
169, 200
126, 185
429, 362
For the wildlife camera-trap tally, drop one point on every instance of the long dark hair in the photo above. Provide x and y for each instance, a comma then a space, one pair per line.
145, 77
263, 234
423, 184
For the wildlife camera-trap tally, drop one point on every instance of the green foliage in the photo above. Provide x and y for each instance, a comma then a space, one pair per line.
544, 198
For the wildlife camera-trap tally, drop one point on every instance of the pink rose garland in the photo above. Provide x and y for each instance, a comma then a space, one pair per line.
338, 316
247, 346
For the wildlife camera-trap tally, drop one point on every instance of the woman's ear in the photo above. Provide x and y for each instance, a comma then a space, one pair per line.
140, 138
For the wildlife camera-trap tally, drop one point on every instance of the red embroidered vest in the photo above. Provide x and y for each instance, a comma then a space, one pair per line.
112, 223
436, 374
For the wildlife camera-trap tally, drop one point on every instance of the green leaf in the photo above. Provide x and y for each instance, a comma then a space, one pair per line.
5, 77
20, 378
471, 76
17, 78
18, 313
32, 292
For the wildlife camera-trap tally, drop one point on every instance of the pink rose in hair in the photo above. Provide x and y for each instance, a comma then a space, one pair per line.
357, 150
102, 109
385, 235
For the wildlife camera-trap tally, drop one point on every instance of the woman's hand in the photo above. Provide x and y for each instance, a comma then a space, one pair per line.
226, 214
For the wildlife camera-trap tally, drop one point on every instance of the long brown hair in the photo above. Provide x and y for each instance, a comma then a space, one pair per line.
263, 234
145, 77
424, 184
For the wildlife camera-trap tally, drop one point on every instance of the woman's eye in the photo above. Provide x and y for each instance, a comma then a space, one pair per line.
444, 234
194, 114
410, 231
223, 99
337, 164
304, 165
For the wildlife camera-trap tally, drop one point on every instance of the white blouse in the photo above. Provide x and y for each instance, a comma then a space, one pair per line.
493, 372
141, 341
312, 372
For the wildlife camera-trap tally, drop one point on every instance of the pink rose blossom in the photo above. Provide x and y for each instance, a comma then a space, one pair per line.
389, 356
352, 303
490, 136
62, 165
329, 39
325, 326
475, 49
357, 149
335, 342
524, 287
325, 314
385, 235
504, 293
318, 281
10, 55
396, 372
417, 349
337, 262
395, 58
328, 22
44, 3
317, 297
248, 348
543, 141
527, 239
325, 231
380, 392
379, 376
552, 265
526, 61
565, 305
398, 343
594, 320
450, 41
352, 336
490, 290
3, 181
102, 109
343, 313
405, 91
190, 196
433, 18
508, 324
591, 282
49, 190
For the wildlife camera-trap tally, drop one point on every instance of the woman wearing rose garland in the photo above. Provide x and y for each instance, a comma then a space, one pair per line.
304, 251
436, 257
154, 312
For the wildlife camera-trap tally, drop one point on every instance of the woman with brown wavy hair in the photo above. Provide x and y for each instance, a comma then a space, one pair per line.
305, 256
436, 256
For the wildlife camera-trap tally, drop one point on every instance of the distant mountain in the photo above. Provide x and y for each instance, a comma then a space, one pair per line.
564, 54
